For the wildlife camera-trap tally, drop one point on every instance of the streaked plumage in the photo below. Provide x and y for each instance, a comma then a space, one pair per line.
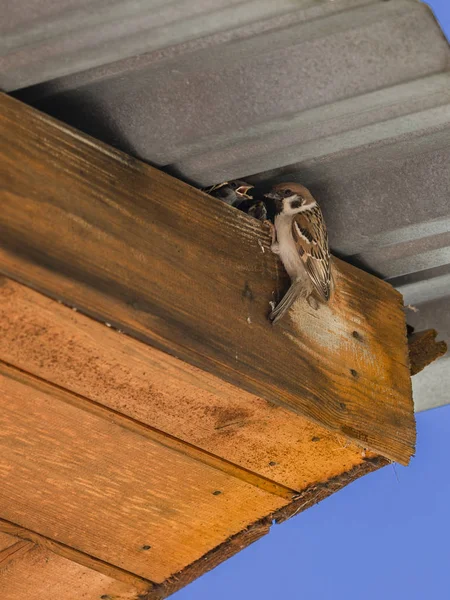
302, 244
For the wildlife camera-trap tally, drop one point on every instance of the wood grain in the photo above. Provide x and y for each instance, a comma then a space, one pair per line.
36, 573
6, 540
108, 491
424, 349
308, 498
235, 544
132, 246
67, 348
14, 531
13, 552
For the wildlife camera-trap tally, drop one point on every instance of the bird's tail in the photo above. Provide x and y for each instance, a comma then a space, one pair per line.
296, 290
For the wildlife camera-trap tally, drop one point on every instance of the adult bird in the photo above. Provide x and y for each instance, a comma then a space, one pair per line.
300, 239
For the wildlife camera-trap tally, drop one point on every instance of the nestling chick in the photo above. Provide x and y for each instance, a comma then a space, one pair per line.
255, 208
236, 194
231, 192
300, 239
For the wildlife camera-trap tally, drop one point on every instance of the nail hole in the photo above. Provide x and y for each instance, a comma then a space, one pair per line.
272, 463
315, 439
356, 335
105, 597
354, 373
342, 405
146, 547
217, 493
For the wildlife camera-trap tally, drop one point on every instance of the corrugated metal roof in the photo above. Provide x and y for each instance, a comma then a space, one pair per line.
352, 98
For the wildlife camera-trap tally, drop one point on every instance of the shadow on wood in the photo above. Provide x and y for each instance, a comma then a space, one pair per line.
179, 270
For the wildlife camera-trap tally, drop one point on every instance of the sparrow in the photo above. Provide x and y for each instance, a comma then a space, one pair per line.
300, 239
232, 193
255, 208
236, 194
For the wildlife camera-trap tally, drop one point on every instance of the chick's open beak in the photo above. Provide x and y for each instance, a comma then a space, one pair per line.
215, 187
243, 191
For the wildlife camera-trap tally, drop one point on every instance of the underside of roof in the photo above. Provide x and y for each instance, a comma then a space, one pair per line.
351, 98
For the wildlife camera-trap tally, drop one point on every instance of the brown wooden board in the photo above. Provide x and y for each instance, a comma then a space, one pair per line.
105, 489
237, 543
424, 349
132, 246
6, 540
91, 562
36, 573
71, 350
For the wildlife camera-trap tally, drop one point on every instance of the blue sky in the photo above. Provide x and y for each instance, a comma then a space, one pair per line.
385, 537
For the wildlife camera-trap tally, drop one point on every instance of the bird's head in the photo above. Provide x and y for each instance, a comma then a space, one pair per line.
291, 198
240, 188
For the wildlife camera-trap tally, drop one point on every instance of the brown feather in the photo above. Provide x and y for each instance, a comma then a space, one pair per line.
311, 238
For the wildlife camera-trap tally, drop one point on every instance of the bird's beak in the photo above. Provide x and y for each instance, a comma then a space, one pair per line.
278, 200
272, 196
243, 191
216, 187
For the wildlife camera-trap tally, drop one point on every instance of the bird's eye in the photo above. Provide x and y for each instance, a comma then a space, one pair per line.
288, 193
233, 185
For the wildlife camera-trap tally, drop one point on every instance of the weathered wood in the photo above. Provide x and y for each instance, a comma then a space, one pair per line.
6, 540
308, 498
36, 573
424, 349
316, 493
68, 349
132, 246
66, 574
14, 531
211, 560
13, 552
103, 488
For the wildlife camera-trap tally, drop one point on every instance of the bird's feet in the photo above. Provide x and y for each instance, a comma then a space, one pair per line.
275, 247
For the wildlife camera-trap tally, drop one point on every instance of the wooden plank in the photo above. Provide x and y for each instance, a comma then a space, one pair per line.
211, 560
424, 349
13, 552
106, 490
111, 571
71, 350
308, 498
132, 246
6, 540
37, 574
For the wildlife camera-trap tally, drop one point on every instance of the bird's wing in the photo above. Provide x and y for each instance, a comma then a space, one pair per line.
311, 238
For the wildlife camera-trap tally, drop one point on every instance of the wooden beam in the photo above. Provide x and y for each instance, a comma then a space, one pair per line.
132, 246
35, 572
50, 546
98, 485
424, 349
308, 498
239, 433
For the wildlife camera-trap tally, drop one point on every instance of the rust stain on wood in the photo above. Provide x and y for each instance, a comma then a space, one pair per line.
132, 246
